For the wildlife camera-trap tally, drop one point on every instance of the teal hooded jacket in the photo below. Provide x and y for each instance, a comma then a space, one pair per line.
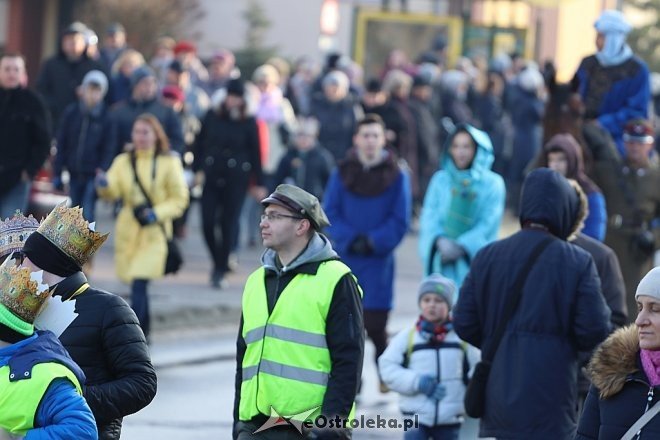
463, 205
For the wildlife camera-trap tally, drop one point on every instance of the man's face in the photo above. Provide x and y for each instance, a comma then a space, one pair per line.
12, 72
600, 41
145, 89
172, 103
304, 140
369, 141
172, 77
638, 152
334, 92
220, 68
115, 40
423, 93
373, 99
91, 95
73, 45
278, 229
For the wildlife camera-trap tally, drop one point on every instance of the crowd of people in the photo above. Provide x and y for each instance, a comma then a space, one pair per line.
351, 166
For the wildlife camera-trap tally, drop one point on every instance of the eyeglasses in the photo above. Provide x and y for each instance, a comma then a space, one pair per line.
274, 216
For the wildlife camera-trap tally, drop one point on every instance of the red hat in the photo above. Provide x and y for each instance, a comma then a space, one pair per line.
638, 130
173, 92
184, 46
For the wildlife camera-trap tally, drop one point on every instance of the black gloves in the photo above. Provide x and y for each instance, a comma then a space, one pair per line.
644, 243
362, 245
144, 215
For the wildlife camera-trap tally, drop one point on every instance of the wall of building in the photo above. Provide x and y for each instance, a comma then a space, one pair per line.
4, 22
295, 24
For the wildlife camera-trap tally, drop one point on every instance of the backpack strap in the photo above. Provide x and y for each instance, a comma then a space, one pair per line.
409, 349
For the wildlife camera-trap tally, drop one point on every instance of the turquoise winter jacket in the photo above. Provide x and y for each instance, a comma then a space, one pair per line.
464, 205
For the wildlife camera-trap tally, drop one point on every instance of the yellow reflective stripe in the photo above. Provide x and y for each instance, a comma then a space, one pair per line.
293, 373
286, 334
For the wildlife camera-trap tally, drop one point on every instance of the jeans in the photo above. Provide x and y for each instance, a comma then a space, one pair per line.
15, 198
438, 432
140, 304
83, 193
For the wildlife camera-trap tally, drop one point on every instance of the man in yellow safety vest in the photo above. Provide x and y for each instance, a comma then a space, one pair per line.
301, 338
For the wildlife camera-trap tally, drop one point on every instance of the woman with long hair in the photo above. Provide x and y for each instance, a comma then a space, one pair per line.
149, 181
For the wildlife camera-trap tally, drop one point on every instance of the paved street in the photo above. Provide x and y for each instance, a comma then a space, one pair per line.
194, 336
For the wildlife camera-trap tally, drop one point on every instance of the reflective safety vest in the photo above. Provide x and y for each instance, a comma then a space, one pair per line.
20, 399
287, 362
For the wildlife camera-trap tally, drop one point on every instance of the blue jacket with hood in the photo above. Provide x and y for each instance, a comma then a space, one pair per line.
532, 387
464, 205
62, 413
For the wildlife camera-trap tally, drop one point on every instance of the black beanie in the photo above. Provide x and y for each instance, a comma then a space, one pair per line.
46, 256
236, 87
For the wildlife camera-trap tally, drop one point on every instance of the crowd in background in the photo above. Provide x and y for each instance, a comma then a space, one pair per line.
458, 140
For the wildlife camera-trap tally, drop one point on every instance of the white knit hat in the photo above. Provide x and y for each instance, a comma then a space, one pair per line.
650, 284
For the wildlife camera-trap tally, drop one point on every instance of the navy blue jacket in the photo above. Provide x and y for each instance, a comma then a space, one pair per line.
620, 393
309, 170
85, 141
58, 80
615, 94
337, 121
531, 391
124, 114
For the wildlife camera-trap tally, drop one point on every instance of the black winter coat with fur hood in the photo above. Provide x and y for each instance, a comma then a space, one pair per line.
620, 391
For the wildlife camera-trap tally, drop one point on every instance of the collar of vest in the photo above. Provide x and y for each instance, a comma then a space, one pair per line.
307, 268
45, 348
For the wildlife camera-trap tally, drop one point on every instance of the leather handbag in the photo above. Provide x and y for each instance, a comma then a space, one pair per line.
475, 395
174, 259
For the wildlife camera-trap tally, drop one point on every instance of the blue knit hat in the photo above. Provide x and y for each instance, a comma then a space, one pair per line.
141, 73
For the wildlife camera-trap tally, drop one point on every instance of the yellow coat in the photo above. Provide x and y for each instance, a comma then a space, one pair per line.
140, 251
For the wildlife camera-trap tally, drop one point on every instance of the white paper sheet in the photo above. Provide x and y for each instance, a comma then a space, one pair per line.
56, 315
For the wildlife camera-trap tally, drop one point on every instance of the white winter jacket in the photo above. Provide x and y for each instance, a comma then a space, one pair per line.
448, 362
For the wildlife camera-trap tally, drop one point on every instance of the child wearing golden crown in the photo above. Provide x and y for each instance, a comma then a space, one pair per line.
105, 336
40, 385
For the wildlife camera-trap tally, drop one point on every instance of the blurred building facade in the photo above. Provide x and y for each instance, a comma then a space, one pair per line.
558, 30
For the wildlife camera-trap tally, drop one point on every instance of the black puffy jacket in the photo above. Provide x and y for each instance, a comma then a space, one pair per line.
106, 341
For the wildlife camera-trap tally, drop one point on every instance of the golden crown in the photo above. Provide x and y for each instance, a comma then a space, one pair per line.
14, 231
67, 229
22, 292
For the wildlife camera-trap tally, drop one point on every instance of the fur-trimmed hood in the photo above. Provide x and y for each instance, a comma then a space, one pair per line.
614, 361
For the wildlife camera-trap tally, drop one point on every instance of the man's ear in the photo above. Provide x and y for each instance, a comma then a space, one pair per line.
303, 227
